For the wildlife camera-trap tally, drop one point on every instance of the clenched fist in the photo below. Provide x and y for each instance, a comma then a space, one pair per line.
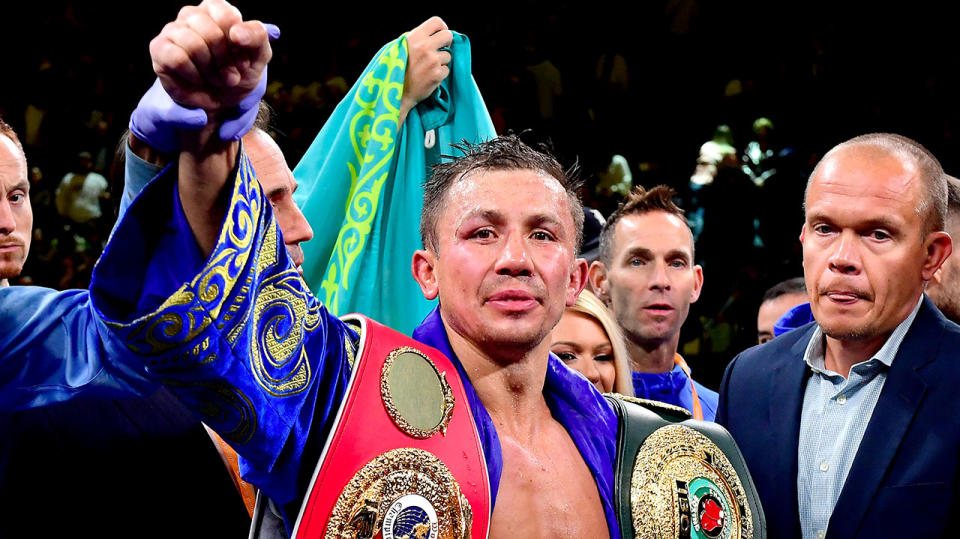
209, 57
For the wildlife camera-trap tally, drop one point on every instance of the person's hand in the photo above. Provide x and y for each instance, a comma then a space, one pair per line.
210, 58
427, 65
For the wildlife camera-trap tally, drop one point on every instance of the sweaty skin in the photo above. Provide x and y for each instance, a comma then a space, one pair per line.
505, 270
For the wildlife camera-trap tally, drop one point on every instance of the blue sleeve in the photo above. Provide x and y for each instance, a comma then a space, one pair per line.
237, 337
137, 173
53, 348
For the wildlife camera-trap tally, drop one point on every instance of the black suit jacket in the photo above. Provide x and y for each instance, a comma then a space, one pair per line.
137, 467
904, 478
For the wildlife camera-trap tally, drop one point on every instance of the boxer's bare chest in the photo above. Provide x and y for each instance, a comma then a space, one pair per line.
546, 489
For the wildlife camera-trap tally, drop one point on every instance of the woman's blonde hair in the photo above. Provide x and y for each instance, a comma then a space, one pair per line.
591, 305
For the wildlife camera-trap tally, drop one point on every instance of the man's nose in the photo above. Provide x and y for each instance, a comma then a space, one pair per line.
846, 254
514, 259
659, 280
7, 223
295, 228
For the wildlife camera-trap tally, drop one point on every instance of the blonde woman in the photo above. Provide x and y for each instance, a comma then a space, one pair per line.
589, 341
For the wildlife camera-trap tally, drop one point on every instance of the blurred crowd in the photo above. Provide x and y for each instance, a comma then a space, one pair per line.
729, 114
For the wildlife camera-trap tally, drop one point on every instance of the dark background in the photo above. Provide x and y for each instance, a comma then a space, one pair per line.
820, 72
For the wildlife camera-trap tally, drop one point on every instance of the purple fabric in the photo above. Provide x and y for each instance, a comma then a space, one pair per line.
586, 415
673, 387
798, 316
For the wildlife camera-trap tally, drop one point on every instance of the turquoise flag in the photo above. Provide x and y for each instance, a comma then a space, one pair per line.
361, 185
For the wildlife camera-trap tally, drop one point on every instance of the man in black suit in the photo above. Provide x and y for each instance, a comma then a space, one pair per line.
848, 424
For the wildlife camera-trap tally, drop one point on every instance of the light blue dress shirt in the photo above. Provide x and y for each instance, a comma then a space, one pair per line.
834, 417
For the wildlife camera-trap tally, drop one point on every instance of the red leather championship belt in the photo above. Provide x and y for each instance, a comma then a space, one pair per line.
404, 460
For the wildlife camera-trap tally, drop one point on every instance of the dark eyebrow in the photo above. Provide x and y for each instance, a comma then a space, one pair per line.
642, 252
882, 222
544, 219
678, 253
488, 214
277, 191
878, 222
573, 345
22, 184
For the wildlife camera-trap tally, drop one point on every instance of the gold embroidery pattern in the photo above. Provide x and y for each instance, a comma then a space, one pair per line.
401, 422
281, 318
373, 137
671, 455
195, 305
363, 503
235, 284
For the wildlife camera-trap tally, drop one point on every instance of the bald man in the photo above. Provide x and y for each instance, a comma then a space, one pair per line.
846, 423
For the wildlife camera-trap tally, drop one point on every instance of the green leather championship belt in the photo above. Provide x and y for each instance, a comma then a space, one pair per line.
680, 478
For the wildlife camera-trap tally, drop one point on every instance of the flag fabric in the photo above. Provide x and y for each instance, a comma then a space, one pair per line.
361, 185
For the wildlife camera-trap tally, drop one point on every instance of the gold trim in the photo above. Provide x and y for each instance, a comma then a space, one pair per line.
652, 404
396, 416
678, 453
363, 503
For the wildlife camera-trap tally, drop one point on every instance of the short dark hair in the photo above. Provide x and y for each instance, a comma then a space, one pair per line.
933, 206
8, 132
506, 152
791, 286
638, 202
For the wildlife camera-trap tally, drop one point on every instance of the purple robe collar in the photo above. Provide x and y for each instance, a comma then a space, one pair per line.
589, 420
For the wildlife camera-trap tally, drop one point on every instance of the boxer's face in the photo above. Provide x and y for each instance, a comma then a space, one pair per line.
16, 216
505, 265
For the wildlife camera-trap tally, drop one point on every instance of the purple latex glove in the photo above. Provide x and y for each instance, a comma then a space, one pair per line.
245, 114
158, 119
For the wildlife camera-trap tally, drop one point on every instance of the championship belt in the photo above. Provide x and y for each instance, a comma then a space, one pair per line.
679, 478
404, 460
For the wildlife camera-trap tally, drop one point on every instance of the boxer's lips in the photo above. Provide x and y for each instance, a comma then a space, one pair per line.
10, 246
660, 308
513, 300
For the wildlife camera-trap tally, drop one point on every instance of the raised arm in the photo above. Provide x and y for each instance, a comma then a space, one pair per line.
428, 62
209, 58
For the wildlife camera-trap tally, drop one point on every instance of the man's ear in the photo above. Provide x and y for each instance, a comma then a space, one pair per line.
938, 248
578, 279
423, 268
697, 283
598, 281
937, 276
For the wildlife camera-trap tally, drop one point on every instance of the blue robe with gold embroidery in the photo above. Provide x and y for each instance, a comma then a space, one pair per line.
241, 341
